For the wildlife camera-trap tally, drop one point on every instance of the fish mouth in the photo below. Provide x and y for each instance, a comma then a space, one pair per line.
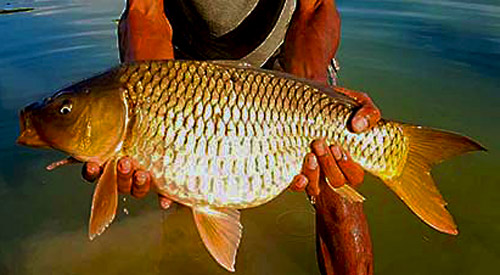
28, 135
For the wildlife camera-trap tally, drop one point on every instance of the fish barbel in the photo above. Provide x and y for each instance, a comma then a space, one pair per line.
220, 137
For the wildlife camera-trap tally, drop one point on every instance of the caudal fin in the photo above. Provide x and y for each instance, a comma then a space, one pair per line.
415, 185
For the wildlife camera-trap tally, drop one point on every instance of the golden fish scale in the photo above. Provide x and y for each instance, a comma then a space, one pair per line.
235, 137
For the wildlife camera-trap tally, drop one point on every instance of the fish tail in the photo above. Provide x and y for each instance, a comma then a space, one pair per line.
414, 184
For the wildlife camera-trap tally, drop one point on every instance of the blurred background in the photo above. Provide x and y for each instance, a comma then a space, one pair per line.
431, 62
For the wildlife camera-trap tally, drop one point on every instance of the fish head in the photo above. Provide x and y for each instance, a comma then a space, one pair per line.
86, 121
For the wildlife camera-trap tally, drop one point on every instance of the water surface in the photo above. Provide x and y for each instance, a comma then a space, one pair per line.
435, 63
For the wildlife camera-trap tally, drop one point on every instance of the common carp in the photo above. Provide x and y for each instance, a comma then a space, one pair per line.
219, 138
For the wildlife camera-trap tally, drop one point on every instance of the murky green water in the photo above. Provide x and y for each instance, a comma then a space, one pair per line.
436, 63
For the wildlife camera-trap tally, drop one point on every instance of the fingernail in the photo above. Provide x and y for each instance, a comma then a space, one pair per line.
337, 153
311, 162
320, 148
165, 203
301, 183
93, 169
141, 178
360, 124
125, 166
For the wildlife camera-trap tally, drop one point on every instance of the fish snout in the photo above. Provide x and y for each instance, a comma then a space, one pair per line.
28, 135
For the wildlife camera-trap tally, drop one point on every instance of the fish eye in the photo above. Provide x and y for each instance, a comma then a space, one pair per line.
66, 107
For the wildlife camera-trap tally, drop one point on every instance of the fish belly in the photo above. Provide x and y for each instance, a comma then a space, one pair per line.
234, 172
240, 167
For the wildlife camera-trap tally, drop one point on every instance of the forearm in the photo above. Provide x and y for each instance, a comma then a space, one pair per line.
343, 244
312, 39
144, 32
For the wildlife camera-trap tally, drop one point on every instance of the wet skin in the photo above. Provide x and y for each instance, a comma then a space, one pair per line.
308, 50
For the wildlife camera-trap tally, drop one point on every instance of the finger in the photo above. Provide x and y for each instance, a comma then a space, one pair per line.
124, 173
164, 202
299, 183
352, 171
91, 171
310, 169
141, 183
367, 116
328, 164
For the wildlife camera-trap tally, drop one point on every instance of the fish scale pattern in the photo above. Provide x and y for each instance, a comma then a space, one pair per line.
235, 137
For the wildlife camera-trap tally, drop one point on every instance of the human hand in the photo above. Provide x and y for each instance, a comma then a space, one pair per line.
131, 179
335, 164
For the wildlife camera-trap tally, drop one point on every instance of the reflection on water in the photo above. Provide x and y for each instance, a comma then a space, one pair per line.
10, 10
429, 62
296, 222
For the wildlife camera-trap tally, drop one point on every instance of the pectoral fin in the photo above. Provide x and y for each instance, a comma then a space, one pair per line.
220, 230
104, 201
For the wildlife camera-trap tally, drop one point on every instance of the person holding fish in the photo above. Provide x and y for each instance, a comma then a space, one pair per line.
311, 41
221, 136
302, 56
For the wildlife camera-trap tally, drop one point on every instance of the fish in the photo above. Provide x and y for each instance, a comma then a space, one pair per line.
220, 137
